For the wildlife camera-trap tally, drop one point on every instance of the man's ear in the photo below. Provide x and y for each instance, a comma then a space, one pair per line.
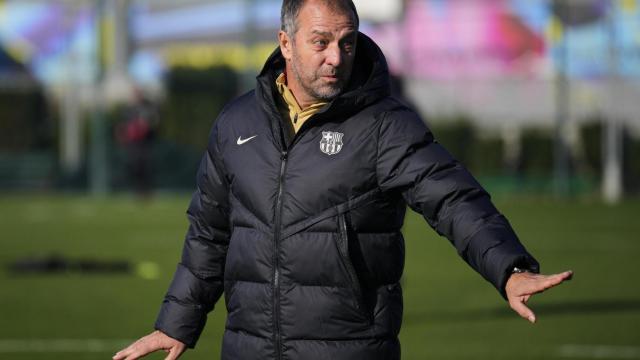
286, 45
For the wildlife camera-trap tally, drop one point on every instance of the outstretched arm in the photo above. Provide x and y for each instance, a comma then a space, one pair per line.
198, 281
434, 184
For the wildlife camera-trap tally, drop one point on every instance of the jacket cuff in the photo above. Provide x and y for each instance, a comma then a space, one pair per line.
504, 258
181, 322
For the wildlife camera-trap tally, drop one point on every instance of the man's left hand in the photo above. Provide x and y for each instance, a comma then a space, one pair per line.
521, 286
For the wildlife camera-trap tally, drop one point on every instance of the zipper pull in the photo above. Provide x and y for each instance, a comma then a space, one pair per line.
295, 119
284, 154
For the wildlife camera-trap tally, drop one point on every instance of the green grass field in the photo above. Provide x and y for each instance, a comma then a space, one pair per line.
450, 312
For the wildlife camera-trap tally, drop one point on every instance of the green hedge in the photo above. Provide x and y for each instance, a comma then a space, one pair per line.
195, 97
194, 100
483, 156
25, 122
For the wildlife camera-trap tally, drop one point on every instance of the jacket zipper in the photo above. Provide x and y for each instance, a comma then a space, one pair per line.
276, 265
343, 248
276, 240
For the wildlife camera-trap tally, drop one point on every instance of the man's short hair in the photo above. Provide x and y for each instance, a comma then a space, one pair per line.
291, 10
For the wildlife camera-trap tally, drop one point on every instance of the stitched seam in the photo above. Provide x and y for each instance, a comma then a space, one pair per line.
357, 339
383, 117
243, 332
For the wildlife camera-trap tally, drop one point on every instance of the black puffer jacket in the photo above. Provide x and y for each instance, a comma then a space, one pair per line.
302, 233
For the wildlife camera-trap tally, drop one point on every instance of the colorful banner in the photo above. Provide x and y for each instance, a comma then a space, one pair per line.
444, 39
434, 39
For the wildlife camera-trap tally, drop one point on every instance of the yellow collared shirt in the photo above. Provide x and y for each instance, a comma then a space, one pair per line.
297, 115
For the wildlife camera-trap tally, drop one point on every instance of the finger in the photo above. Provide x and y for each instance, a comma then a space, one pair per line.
540, 283
132, 348
556, 279
138, 351
567, 275
122, 354
174, 353
137, 355
523, 310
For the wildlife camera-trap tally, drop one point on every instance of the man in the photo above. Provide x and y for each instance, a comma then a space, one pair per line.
301, 196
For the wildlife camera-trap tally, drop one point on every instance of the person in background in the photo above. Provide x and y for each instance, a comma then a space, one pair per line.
136, 133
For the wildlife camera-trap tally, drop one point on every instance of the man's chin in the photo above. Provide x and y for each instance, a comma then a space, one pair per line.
328, 93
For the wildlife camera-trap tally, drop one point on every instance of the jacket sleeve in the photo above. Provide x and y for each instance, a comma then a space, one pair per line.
434, 184
198, 281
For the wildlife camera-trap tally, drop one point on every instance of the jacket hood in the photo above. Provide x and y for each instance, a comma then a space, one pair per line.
369, 81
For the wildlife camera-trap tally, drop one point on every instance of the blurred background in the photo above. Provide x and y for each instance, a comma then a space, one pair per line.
105, 106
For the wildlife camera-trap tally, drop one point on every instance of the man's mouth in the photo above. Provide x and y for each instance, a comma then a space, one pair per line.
332, 78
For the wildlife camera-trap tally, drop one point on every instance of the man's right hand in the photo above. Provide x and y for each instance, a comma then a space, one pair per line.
155, 341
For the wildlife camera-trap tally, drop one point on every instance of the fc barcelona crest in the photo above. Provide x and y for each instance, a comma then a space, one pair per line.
331, 142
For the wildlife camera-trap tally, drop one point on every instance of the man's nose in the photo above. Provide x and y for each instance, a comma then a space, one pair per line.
334, 56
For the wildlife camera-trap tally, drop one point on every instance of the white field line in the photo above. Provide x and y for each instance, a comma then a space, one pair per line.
62, 345
599, 351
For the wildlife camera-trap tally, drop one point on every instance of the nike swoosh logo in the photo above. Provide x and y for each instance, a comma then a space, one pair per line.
244, 141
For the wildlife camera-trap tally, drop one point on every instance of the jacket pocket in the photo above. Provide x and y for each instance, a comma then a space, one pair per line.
342, 242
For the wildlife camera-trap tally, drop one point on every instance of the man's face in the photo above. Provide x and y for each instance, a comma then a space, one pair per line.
321, 53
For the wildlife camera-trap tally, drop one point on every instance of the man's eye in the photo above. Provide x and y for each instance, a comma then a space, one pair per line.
320, 42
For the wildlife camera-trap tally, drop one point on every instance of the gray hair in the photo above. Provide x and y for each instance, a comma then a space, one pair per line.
291, 10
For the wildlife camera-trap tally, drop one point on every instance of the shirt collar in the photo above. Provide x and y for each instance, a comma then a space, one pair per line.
290, 99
